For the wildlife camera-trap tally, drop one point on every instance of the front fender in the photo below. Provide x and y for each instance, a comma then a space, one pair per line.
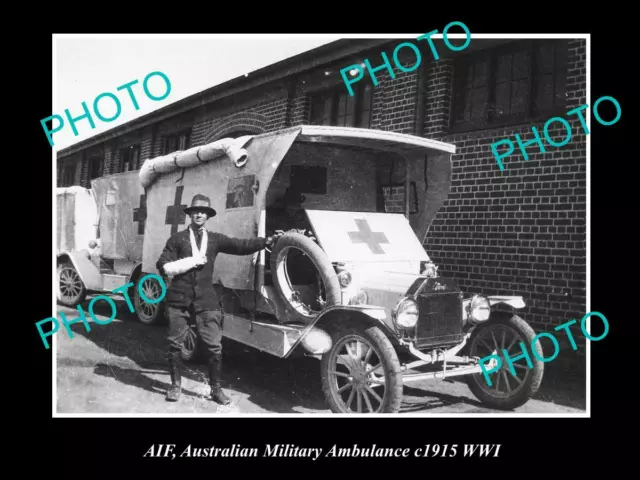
88, 272
513, 301
136, 273
368, 315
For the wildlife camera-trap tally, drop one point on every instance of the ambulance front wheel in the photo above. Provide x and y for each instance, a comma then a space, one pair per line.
516, 379
148, 313
361, 373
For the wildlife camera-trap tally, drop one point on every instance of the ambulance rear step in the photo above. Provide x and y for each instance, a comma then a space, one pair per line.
267, 337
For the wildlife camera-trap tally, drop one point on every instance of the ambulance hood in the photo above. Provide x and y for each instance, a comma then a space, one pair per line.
376, 241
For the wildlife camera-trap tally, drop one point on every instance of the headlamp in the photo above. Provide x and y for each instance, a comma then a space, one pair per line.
344, 278
406, 313
479, 309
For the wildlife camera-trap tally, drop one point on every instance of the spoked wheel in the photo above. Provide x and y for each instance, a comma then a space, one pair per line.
149, 313
361, 373
507, 391
190, 345
71, 290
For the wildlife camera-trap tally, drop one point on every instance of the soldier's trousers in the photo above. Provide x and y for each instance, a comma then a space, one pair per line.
208, 323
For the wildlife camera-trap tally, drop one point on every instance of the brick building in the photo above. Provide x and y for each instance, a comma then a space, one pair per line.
517, 232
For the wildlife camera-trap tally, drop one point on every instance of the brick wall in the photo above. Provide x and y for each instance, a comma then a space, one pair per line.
437, 91
147, 147
393, 199
521, 231
111, 160
265, 116
394, 99
300, 108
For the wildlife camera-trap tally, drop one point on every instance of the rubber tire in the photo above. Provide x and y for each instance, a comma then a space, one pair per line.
319, 259
137, 301
535, 375
190, 355
391, 364
83, 291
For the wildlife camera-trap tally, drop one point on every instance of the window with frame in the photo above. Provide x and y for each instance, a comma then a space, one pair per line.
510, 84
68, 175
336, 107
130, 158
176, 141
95, 166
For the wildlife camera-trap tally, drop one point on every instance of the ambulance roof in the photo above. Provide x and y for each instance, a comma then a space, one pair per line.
377, 139
236, 148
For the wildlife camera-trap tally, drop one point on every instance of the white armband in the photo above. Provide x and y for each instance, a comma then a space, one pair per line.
180, 266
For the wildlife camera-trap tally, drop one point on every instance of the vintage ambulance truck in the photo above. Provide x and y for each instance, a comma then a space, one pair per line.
77, 217
348, 281
99, 243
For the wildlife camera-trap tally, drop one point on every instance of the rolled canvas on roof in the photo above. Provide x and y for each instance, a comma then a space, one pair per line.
229, 147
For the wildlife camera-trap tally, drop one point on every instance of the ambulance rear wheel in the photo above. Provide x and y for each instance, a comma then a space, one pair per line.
148, 313
70, 290
190, 345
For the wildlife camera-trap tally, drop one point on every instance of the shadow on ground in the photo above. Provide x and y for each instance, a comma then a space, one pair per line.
274, 384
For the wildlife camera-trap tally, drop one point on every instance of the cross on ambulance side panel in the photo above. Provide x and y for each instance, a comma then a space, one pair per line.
166, 199
366, 237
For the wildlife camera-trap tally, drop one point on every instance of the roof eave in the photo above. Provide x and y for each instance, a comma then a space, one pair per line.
277, 71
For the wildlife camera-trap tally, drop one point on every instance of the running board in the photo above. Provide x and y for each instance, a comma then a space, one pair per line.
271, 338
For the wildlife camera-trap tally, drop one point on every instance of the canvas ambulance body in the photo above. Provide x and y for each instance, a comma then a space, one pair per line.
99, 243
350, 284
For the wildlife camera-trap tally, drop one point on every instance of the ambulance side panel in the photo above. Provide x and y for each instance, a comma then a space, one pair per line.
237, 194
122, 212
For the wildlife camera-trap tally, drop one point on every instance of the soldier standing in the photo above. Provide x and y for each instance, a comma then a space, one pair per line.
188, 259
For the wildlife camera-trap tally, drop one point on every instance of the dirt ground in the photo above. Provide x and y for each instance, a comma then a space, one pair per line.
120, 368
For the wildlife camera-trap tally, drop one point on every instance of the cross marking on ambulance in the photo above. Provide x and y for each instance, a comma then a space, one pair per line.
175, 215
366, 236
140, 214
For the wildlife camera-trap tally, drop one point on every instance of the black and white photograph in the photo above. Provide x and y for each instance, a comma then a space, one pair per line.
322, 225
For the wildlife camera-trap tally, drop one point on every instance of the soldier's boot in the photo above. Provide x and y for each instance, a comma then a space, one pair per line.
215, 376
173, 393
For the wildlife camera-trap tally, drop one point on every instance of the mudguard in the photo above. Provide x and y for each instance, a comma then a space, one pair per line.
88, 272
513, 301
372, 314
136, 274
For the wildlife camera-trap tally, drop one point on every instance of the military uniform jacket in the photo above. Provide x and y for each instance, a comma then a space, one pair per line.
196, 285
